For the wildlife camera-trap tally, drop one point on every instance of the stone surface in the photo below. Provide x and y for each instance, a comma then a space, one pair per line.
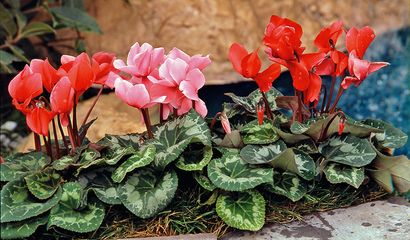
210, 26
202, 236
374, 220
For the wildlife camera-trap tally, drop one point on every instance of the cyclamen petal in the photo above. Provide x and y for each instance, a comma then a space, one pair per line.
62, 96
25, 85
196, 78
178, 69
189, 90
138, 96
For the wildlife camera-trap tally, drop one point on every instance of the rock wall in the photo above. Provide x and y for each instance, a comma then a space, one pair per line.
210, 26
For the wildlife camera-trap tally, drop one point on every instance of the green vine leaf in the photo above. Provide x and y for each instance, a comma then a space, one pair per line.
348, 150
21, 164
194, 159
86, 220
173, 137
145, 194
287, 184
22, 229
391, 137
242, 210
261, 154
249, 102
253, 133
43, 184
338, 173
138, 160
204, 182
17, 203
232, 173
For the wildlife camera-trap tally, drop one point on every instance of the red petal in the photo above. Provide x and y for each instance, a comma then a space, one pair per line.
251, 65
300, 75
326, 67
265, 78
313, 91
375, 66
322, 40
236, 55
364, 38
310, 60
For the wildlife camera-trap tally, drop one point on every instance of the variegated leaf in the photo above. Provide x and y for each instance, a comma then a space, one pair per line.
308, 146
17, 203
253, 133
348, 150
289, 185
174, 136
20, 164
88, 156
231, 140
232, 173
43, 184
22, 229
145, 194
120, 141
65, 162
204, 182
295, 161
231, 109
72, 195
242, 210
194, 159
260, 154
87, 220
249, 102
338, 173
391, 138
298, 128
138, 160
113, 157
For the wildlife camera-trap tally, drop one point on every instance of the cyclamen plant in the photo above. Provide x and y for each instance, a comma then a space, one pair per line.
256, 151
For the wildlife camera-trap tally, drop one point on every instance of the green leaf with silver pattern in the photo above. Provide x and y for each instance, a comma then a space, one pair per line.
348, 150
253, 133
242, 210
338, 173
138, 160
287, 184
64, 162
20, 164
261, 154
232, 173
22, 229
204, 182
72, 195
43, 184
117, 154
120, 141
173, 137
87, 220
17, 203
298, 128
249, 102
145, 193
194, 159
391, 138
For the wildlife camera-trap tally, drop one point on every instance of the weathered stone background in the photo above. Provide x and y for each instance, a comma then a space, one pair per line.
210, 26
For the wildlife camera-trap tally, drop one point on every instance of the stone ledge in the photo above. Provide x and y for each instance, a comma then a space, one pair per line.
201, 236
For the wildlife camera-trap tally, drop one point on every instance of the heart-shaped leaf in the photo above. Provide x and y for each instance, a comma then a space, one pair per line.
287, 184
298, 128
348, 150
117, 154
65, 162
253, 133
338, 173
242, 210
232, 173
22, 229
20, 164
249, 102
260, 154
145, 194
392, 137
43, 184
194, 159
204, 182
17, 203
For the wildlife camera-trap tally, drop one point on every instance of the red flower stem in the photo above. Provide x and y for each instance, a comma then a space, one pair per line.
300, 103
193, 105
37, 142
48, 146
332, 87
339, 94
214, 120
325, 129
56, 139
147, 121
175, 113
268, 110
92, 106
75, 128
62, 132
71, 135
161, 111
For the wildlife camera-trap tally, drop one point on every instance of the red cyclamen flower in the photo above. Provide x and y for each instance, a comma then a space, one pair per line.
48, 73
38, 118
62, 99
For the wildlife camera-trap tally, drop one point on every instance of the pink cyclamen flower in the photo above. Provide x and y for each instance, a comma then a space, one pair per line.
225, 123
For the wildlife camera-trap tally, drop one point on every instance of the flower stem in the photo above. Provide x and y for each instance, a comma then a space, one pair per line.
332, 86
322, 109
300, 103
75, 126
62, 132
268, 110
92, 106
161, 111
48, 146
71, 136
56, 139
175, 113
339, 94
214, 120
37, 142
326, 128
147, 121
193, 105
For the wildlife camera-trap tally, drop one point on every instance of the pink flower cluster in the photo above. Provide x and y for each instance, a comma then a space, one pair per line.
150, 77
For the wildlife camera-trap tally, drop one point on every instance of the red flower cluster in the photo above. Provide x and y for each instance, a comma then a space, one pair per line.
284, 46
65, 85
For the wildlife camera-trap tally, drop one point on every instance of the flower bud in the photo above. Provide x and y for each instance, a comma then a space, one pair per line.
225, 123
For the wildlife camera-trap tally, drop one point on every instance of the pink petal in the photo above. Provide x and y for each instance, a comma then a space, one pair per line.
157, 57
196, 78
178, 69
137, 96
177, 53
157, 91
200, 107
66, 59
133, 51
374, 66
200, 62
189, 90
121, 88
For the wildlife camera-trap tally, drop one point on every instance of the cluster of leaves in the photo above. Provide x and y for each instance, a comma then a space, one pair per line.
276, 158
18, 23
